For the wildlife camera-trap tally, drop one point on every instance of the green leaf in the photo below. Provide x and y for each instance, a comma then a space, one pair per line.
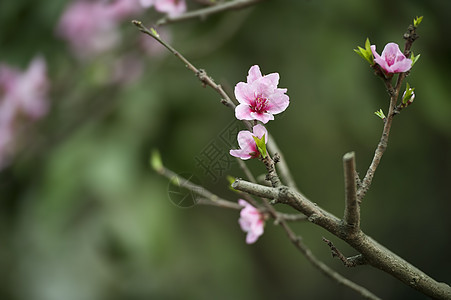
366, 53
417, 21
261, 145
368, 44
414, 58
380, 114
231, 180
155, 160
154, 32
408, 95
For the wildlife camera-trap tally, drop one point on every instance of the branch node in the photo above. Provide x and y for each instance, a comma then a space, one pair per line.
349, 262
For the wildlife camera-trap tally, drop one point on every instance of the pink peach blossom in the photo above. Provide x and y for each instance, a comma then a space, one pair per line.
121, 10
90, 28
251, 221
171, 7
23, 98
25, 92
392, 60
147, 3
248, 147
259, 98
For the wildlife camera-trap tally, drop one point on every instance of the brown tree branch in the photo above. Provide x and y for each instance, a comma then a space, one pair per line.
207, 11
375, 254
322, 267
270, 165
282, 166
352, 208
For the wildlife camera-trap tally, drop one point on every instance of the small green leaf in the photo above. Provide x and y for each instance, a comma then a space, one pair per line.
367, 44
175, 181
231, 180
408, 96
417, 21
380, 114
414, 58
155, 160
366, 53
261, 145
154, 32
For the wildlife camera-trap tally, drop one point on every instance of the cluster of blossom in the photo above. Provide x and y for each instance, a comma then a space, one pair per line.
23, 99
260, 99
92, 27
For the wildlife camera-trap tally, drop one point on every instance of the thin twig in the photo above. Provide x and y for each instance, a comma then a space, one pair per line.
349, 262
282, 166
352, 208
208, 198
201, 74
410, 36
246, 170
207, 11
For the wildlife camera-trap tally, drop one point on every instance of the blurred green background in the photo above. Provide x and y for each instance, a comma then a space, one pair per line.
82, 215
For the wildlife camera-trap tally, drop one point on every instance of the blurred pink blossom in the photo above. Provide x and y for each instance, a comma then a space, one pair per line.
147, 3
171, 7
248, 147
24, 95
251, 221
89, 27
123, 9
392, 60
259, 98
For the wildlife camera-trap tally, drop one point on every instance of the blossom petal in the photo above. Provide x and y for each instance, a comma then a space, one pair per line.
262, 117
254, 74
246, 141
391, 50
243, 92
379, 60
259, 130
279, 102
243, 112
402, 66
273, 79
240, 153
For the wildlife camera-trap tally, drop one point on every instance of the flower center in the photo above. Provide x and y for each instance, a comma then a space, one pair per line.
390, 59
259, 105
